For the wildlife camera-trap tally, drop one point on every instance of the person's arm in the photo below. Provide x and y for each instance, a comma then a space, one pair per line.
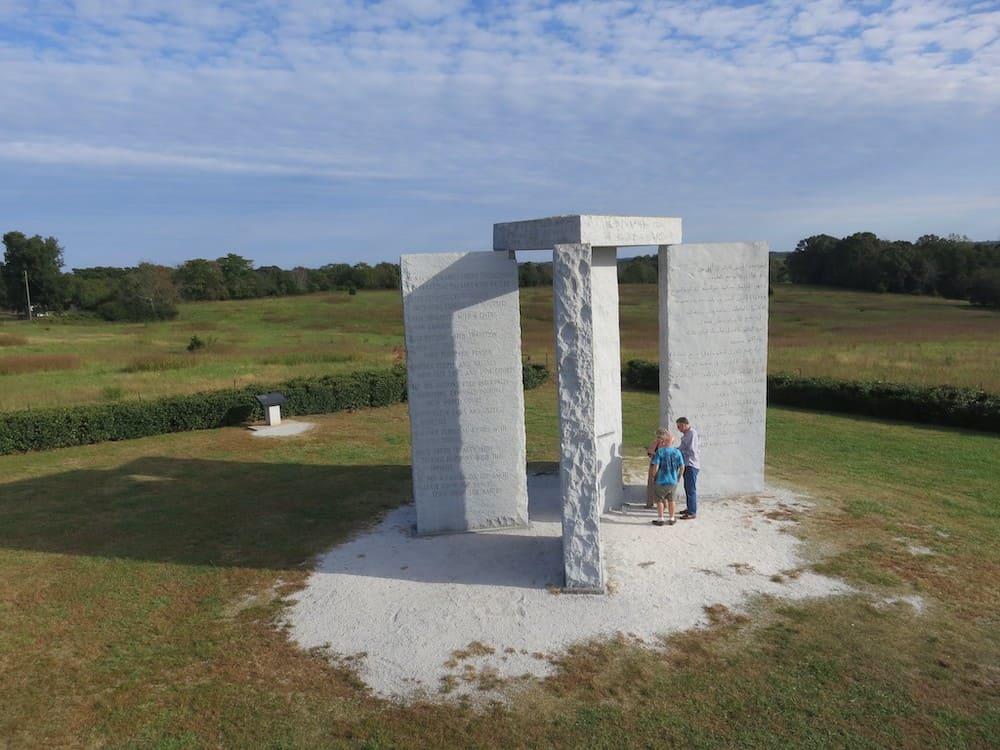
652, 473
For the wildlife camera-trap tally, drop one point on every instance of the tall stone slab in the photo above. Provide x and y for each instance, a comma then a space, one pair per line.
608, 376
713, 356
466, 398
579, 464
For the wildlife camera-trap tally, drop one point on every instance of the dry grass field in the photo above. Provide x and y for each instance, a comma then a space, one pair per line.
813, 332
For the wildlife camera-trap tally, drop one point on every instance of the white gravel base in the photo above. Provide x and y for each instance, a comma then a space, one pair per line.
401, 606
285, 429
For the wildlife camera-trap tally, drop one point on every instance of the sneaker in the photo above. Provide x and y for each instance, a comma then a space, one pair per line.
671, 521
689, 517
657, 522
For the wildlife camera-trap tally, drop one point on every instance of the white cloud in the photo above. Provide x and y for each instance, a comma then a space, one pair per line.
549, 101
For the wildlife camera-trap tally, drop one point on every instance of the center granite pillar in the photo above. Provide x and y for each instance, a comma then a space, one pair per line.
579, 462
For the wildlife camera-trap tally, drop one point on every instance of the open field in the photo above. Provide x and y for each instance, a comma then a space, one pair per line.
814, 331
139, 582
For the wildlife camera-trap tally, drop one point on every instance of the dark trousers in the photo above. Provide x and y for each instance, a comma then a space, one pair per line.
691, 489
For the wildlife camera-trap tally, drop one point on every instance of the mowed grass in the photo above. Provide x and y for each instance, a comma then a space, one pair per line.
813, 331
140, 583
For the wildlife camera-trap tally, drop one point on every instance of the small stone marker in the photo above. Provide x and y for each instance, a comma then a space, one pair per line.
271, 403
466, 399
713, 357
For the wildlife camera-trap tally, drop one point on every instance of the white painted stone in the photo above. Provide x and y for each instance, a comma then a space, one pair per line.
466, 398
274, 415
608, 375
579, 467
713, 357
597, 231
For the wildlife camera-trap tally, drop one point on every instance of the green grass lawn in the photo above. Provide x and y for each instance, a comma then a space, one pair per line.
140, 581
813, 332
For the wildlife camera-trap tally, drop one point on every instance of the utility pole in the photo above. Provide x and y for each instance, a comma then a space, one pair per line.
27, 293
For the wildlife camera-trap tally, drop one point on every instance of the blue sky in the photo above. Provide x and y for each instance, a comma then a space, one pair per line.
304, 132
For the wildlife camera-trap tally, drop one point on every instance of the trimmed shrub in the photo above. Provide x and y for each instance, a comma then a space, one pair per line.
534, 375
941, 405
43, 429
642, 375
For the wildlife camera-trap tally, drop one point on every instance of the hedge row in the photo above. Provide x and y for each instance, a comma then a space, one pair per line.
942, 405
80, 425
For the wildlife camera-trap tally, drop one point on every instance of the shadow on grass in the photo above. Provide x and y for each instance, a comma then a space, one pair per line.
199, 512
269, 516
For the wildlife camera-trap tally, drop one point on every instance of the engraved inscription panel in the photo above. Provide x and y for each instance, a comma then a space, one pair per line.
713, 357
466, 400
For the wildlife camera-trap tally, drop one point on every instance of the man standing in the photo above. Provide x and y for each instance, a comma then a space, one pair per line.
666, 468
691, 451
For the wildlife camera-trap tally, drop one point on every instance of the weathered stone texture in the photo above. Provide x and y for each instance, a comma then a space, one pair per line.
466, 399
577, 384
597, 231
713, 357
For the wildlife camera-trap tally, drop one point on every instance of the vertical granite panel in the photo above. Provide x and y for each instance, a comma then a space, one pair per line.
608, 376
713, 357
466, 398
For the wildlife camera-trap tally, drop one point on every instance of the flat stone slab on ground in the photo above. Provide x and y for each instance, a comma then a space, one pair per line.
285, 429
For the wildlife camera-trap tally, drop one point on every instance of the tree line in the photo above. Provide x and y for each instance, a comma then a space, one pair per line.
952, 267
152, 292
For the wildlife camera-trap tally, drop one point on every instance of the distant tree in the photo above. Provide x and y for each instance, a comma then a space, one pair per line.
527, 274
145, 293
4, 305
338, 275
984, 287
642, 269
276, 282
200, 279
297, 280
238, 276
534, 274
386, 276
778, 269
363, 276
43, 260
811, 259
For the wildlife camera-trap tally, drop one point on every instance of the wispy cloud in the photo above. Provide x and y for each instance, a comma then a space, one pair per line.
602, 105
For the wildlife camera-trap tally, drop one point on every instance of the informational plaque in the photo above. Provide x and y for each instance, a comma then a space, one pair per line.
466, 398
713, 357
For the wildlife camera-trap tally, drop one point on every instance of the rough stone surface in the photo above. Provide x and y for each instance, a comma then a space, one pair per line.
466, 399
597, 231
713, 357
572, 267
608, 375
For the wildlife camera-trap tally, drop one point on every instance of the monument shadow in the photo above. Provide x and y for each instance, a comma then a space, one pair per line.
275, 516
